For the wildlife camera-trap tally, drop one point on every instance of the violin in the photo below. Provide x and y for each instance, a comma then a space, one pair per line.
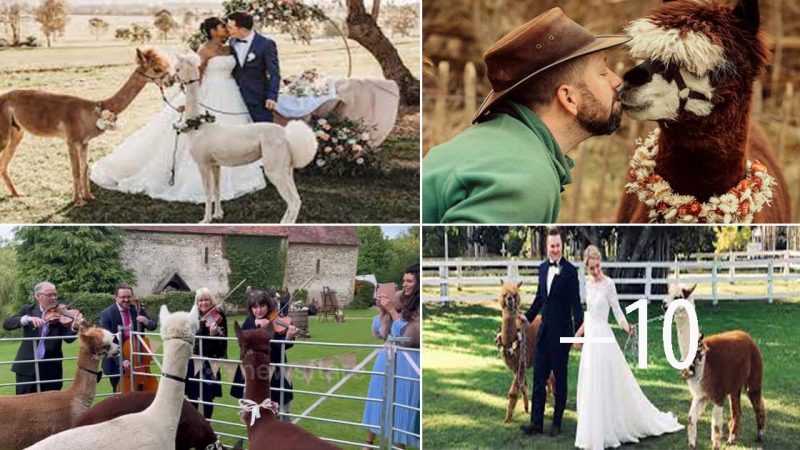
213, 316
60, 313
283, 324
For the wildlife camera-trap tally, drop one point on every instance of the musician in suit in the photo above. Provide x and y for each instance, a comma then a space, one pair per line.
122, 314
32, 320
558, 300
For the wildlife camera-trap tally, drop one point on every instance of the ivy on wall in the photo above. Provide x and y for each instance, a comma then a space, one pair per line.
259, 259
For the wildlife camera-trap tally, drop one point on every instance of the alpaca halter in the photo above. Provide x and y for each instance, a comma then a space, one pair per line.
249, 406
738, 205
98, 374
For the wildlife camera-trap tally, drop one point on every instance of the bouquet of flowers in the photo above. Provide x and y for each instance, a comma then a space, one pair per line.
307, 84
343, 147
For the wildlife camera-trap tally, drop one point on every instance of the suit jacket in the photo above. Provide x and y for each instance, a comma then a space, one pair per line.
110, 319
259, 78
561, 310
50, 370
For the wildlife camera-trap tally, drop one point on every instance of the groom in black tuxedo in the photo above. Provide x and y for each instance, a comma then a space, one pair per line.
558, 300
257, 70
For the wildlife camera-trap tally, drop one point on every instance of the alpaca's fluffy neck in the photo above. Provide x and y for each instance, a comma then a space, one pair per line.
192, 100
682, 323
169, 397
84, 385
706, 157
508, 329
256, 382
123, 98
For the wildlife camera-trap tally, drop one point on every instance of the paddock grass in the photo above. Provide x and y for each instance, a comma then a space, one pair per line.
41, 169
466, 381
356, 329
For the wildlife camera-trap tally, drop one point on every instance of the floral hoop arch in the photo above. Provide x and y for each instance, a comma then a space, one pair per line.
290, 16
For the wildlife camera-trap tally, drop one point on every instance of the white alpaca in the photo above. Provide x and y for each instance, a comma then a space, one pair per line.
281, 149
156, 426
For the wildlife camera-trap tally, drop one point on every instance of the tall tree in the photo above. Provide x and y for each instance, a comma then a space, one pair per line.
164, 23
363, 28
98, 26
52, 18
75, 259
11, 19
373, 256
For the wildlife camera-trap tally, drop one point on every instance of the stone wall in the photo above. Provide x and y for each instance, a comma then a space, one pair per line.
337, 269
154, 256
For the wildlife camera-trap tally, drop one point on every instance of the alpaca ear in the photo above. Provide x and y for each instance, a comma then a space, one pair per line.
748, 12
519, 285
688, 292
140, 56
194, 318
163, 314
502, 282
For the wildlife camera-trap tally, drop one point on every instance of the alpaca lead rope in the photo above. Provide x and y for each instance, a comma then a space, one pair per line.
632, 342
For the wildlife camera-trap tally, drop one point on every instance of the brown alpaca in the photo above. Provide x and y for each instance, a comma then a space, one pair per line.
701, 60
74, 119
509, 342
725, 364
268, 431
194, 431
27, 419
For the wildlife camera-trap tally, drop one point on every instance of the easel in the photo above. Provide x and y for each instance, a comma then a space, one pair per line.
329, 304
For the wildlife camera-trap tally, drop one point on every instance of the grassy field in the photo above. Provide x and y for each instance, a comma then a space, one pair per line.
354, 330
41, 168
466, 381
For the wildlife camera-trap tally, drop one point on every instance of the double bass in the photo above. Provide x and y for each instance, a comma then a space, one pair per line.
140, 363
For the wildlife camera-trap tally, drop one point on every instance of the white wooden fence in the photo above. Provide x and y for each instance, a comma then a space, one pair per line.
744, 277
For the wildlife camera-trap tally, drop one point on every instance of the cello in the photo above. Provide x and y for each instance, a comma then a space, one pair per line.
139, 363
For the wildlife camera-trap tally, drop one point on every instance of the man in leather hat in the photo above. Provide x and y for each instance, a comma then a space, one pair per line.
551, 90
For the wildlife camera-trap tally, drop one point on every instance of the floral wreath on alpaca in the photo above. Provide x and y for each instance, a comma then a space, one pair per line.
738, 205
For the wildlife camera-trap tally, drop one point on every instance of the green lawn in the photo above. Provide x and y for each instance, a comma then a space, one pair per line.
466, 381
356, 329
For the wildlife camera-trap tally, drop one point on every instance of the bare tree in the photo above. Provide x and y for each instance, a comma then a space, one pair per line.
189, 18
11, 18
98, 26
52, 18
364, 29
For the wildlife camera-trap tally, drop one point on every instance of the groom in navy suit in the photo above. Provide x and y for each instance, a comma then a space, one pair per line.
558, 299
257, 71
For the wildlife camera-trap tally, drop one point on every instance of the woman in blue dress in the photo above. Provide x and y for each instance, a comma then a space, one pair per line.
373, 410
407, 391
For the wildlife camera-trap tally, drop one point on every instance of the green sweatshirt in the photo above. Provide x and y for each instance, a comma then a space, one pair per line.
507, 169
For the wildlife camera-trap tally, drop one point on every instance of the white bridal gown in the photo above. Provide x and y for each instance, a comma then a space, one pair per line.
142, 164
612, 409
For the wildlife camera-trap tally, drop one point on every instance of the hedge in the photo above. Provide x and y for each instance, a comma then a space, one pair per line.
363, 296
261, 260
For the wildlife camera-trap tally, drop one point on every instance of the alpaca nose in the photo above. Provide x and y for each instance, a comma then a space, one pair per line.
639, 75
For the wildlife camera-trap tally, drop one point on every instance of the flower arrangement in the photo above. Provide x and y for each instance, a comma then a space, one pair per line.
107, 120
738, 205
289, 16
343, 147
307, 84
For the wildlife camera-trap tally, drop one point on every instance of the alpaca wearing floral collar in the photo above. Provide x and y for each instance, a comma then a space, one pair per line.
706, 162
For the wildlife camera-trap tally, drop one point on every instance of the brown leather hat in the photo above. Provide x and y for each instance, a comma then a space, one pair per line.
549, 39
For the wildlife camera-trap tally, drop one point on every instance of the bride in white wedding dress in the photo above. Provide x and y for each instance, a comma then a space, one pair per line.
144, 162
612, 409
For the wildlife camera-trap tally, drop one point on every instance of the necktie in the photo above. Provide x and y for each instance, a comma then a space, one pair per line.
40, 347
126, 322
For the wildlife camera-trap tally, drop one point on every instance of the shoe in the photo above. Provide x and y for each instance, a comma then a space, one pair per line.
555, 430
531, 429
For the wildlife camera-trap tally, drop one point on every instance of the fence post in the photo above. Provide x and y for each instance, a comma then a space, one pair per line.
121, 357
459, 274
714, 270
131, 367
648, 284
770, 282
470, 91
443, 295
388, 395
36, 365
202, 369
440, 105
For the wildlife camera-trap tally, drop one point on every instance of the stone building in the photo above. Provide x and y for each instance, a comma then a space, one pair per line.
188, 257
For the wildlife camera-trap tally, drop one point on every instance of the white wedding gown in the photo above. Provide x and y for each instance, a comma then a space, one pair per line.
612, 409
143, 162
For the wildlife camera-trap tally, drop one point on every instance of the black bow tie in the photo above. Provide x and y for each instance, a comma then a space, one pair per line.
552, 264
240, 40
